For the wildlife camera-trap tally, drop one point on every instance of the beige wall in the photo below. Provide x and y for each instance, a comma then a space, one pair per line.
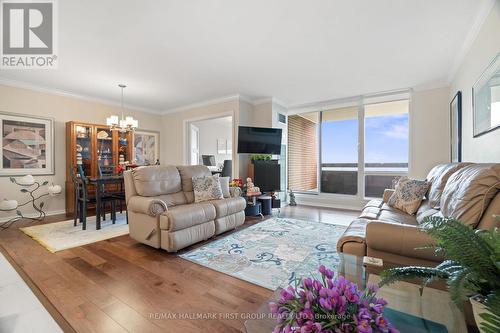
485, 148
62, 109
429, 130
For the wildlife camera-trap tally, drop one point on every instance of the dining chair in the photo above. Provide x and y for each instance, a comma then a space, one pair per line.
119, 195
83, 198
227, 169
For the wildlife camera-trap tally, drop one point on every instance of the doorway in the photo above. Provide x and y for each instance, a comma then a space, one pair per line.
210, 143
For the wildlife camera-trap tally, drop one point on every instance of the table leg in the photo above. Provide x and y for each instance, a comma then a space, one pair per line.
98, 206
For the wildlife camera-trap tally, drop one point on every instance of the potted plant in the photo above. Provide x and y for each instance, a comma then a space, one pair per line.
329, 305
471, 268
260, 157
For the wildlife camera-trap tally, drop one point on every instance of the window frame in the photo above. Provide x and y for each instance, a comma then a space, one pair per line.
360, 101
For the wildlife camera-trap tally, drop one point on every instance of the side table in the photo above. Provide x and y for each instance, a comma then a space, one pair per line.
266, 202
254, 209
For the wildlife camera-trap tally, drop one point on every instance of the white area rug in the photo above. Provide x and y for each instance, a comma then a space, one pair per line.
64, 235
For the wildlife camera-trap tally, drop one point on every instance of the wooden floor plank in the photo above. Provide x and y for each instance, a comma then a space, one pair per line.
120, 285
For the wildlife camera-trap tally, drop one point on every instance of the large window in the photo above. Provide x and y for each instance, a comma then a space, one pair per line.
362, 148
386, 145
339, 150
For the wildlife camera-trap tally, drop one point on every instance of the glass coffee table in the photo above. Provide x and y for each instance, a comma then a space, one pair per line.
407, 310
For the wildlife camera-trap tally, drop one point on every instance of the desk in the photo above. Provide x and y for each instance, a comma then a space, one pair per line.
100, 183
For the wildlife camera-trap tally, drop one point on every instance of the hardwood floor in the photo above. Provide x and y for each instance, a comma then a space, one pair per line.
120, 285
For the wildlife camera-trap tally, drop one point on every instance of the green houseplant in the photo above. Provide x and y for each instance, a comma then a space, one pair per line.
471, 268
260, 157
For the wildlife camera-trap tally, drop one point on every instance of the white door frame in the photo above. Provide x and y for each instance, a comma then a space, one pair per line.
186, 134
194, 128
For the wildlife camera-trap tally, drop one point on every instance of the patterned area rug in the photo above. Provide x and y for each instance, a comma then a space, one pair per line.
64, 235
273, 252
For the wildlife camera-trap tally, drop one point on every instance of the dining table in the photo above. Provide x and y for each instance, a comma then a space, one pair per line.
100, 185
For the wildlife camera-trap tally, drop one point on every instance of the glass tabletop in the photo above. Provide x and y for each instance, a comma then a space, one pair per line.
410, 312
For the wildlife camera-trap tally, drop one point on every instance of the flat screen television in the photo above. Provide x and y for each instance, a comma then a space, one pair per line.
259, 140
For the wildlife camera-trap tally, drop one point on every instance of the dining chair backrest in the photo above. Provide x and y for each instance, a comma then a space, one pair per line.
79, 182
107, 170
227, 169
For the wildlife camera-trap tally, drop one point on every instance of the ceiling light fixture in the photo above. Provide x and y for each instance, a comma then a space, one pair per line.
124, 124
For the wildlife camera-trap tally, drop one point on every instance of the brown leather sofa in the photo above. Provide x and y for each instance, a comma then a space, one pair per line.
162, 212
466, 191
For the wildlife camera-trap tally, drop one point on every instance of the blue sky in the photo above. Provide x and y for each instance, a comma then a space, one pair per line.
386, 140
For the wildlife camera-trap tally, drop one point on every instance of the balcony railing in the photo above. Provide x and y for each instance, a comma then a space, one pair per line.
342, 178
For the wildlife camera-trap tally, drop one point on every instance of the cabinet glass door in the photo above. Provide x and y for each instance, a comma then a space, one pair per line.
123, 148
83, 149
104, 147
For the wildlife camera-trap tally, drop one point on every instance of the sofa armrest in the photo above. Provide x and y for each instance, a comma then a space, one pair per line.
400, 239
387, 194
352, 240
147, 205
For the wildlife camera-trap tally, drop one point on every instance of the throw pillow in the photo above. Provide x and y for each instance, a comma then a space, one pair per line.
224, 184
207, 188
408, 194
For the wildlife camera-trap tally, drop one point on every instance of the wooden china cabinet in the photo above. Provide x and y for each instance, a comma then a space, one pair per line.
98, 145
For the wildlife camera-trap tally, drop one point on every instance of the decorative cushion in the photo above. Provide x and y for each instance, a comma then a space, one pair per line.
408, 194
224, 184
187, 173
207, 188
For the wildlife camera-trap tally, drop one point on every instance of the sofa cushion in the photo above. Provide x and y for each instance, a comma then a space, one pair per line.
375, 203
469, 191
396, 216
207, 188
187, 173
425, 210
370, 212
224, 185
399, 239
152, 181
185, 216
438, 177
408, 194
225, 207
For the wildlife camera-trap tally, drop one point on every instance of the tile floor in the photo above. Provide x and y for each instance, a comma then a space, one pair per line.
20, 310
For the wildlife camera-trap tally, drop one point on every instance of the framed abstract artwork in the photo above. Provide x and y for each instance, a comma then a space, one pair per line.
456, 127
146, 147
27, 145
486, 99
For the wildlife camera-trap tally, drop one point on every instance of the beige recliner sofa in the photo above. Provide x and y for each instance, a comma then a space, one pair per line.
162, 212
466, 191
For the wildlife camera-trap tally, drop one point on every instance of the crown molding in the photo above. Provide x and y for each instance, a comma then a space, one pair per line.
224, 99
200, 104
327, 104
481, 16
65, 93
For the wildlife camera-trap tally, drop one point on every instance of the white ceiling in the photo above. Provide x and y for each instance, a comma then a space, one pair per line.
173, 53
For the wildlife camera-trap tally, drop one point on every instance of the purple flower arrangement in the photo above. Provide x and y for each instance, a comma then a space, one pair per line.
330, 306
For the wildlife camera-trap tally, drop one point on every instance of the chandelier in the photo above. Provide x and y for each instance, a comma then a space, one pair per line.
124, 124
